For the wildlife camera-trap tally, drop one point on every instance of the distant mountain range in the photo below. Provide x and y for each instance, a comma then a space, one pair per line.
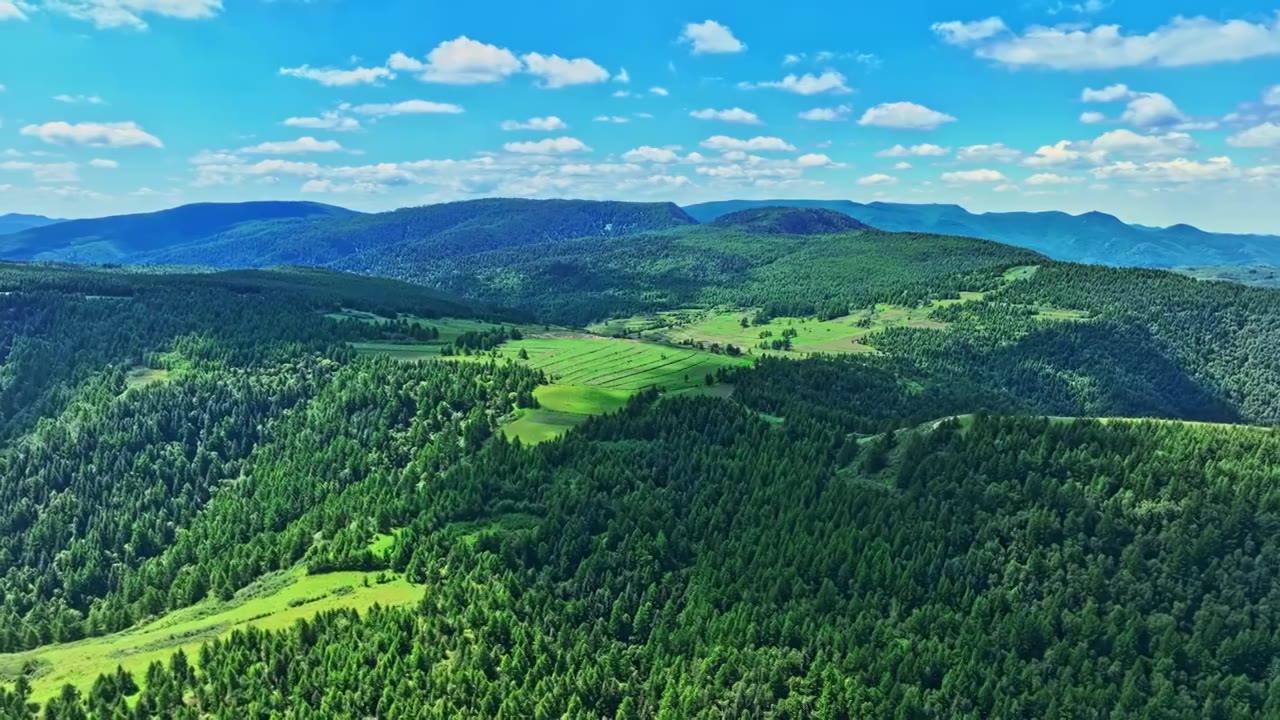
398, 243
17, 222
1089, 238
136, 238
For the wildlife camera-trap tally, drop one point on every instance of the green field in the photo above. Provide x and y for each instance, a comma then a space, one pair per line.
450, 329
594, 375
273, 602
138, 377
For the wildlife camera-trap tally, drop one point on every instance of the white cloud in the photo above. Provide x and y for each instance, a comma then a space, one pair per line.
648, 153
1181, 42
616, 119
116, 134
550, 146
756, 144
974, 176
1271, 96
623, 76
808, 84
659, 91
1111, 93
964, 33
105, 164
63, 172
670, 180
77, 99
813, 160
995, 152
328, 120
544, 124
461, 61
334, 77
407, 107
1179, 170
1052, 179
558, 72
827, 114
877, 179
293, 147
10, 10
1266, 135
711, 37
1127, 142
924, 150
110, 14
904, 165
904, 115
1092, 118
734, 115
791, 59
1061, 153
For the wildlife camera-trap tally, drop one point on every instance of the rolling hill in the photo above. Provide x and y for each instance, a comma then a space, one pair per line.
134, 238
1092, 237
17, 222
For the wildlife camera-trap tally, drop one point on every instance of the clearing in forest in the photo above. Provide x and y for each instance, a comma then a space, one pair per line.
273, 602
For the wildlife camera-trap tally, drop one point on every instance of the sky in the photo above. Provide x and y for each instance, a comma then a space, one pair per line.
1159, 113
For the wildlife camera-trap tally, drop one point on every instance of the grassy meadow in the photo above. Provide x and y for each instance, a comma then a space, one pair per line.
273, 602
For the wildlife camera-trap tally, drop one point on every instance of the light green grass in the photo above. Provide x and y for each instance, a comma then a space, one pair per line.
450, 329
140, 377
407, 352
274, 602
1021, 272
580, 399
535, 426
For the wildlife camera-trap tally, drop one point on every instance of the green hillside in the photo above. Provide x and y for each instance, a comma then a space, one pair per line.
694, 471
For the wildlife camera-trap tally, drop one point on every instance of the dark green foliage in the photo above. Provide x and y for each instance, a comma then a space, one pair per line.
789, 221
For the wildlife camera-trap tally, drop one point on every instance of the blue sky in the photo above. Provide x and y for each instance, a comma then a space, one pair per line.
1156, 112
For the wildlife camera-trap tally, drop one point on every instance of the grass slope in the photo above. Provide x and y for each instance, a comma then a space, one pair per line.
273, 602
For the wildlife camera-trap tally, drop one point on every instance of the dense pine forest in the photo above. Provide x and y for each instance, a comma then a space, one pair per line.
1056, 494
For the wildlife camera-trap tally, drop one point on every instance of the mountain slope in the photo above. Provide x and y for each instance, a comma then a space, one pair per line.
132, 238
17, 222
789, 221
1092, 237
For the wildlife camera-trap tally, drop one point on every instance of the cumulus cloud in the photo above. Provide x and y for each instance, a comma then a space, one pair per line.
904, 165
616, 119
877, 179
904, 116
328, 120
1052, 179
1266, 135
1092, 118
964, 33
923, 150
543, 124
827, 114
831, 81
105, 164
734, 115
648, 153
1271, 96
661, 91
1111, 93
1181, 42
995, 152
334, 77
710, 37
550, 146
558, 72
407, 107
724, 143
814, 160
1127, 142
114, 134
461, 61
623, 76
306, 144
974, 176
1180, 170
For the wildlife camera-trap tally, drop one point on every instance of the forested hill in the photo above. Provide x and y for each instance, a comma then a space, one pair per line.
16, 222
265, 234
1090, 238
925, 531
133, 238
